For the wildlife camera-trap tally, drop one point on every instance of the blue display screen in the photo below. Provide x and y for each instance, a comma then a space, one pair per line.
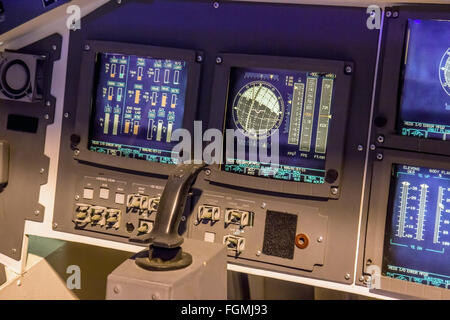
296, 103
417, 244
139, 102
425, 102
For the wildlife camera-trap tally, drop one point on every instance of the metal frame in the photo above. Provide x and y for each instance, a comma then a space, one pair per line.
85, 102
378, 208
336, 134
395, 33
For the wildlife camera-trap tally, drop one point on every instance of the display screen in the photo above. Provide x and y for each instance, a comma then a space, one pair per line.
139, 102
417, 244
296, 103
425, 102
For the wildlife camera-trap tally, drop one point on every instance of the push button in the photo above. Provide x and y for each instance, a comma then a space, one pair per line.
88, 193
120, 198
104, 193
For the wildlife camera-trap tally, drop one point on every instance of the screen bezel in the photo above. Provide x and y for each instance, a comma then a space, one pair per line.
391, 82
378, 212
336, 133
87, 89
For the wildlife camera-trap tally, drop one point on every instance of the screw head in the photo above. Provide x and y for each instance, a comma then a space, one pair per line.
54, 47
55, 225
360, 147
66, 115
208, 172
258, 253
334, 190
219, 60
380, 139
36, 212
183, 218
116, 289
48, 103
46, 117
361, 279
77, 197
41, 171
320, 239
379, 156
199, 58
372, 147
87, 47
76, 152
216, 5
348, 69
19, 283
395, 14
388, 14
13, 250
347, 276
263, 205
155, 296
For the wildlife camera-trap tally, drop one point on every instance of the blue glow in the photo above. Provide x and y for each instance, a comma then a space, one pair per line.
296, 103
139, 102
417, 245
425, 103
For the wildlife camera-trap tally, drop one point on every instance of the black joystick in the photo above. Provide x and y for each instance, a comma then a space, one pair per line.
165, 251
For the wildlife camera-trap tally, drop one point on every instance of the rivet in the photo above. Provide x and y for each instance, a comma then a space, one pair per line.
348, 69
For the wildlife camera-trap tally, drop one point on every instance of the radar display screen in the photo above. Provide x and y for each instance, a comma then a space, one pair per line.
297, 105
417, 244
425, 102
139, 102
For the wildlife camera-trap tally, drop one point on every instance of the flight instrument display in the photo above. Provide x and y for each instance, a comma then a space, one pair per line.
425, 102
417, 244
290, 108
139, 102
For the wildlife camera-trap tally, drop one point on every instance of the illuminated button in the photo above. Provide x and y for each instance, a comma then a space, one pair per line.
120, 198
210, 237
88, 193
104, 193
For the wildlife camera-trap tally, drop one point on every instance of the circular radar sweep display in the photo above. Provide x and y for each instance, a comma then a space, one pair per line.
258, 108
444, 71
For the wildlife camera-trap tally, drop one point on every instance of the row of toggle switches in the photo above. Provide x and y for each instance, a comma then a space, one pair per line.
97, 216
